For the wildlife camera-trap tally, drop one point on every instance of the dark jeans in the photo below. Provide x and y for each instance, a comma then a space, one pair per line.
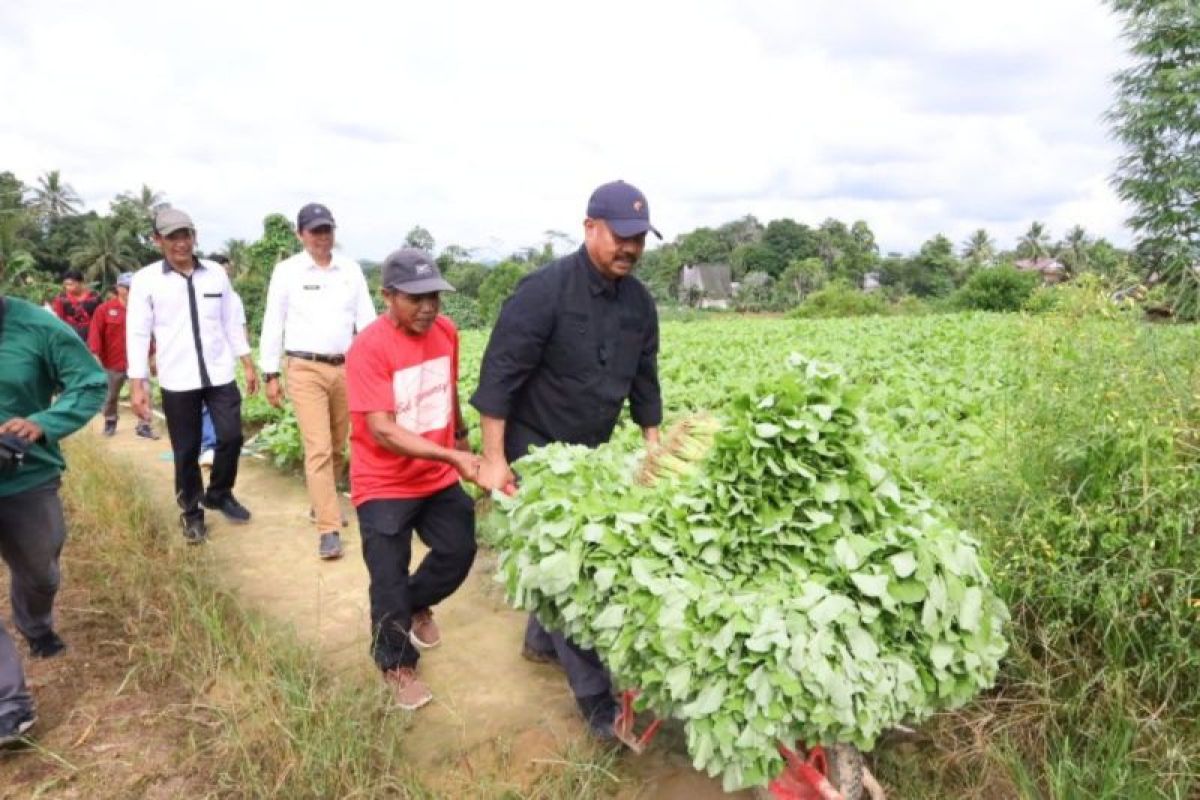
182, 410
585, 672
445, 521
32, 532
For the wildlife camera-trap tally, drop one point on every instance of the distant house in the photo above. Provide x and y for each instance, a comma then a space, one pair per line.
706, 285
871, 282
1051, 270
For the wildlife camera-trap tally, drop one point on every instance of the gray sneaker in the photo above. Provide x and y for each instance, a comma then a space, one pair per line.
330, 547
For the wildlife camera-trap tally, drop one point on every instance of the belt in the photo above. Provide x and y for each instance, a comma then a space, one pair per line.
336, 361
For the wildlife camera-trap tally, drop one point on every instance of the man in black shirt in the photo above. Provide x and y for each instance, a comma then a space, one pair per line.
576, 340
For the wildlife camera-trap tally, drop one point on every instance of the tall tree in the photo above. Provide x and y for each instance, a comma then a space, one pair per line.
238, 253
979, 249
419, 237
1035, 242
107, 252
1156, 118
54, 199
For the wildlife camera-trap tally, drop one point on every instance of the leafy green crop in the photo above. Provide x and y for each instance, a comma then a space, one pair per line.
789, 587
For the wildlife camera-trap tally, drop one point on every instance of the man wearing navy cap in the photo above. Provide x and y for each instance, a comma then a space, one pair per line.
577, 339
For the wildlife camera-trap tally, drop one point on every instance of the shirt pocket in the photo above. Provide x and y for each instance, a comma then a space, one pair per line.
571, 350
210, 305
631, 338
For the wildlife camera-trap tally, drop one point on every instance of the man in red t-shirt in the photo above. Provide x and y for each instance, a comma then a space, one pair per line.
408, 451
76, 304
106, 340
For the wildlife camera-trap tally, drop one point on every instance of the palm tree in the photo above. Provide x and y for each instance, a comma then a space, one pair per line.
108, 251
54, 199
1075, 249
979, 249
1035, 243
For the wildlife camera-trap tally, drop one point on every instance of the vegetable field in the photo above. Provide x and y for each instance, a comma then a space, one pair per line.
1069, 447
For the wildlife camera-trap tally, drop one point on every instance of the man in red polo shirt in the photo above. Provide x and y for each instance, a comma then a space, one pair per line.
106, 340
76, 303
408, 452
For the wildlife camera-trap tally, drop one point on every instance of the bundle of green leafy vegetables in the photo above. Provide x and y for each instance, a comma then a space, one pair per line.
775, 582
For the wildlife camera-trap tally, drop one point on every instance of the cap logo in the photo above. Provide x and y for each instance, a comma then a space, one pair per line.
637, 205
424, 269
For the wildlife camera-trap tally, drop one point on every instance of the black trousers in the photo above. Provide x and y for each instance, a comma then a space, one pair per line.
586, 674
182, 410
445, 521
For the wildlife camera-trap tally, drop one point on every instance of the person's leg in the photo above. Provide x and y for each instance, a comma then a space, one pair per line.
14, 694
386, 530
339, 421
116, 380
446, 524
208, 435
182, 410
585, 673
225, 405
308, 385
33, 531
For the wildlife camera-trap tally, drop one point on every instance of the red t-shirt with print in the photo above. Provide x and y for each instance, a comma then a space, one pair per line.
415, 378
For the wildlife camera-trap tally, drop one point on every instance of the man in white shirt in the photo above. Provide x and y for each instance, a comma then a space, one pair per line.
187, 306
316, 302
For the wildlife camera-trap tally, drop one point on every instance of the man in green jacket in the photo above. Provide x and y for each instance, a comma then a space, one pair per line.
50, 386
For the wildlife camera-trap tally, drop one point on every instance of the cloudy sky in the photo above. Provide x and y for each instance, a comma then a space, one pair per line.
489, 123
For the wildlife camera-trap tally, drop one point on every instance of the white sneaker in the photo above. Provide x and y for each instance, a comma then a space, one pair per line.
206, 458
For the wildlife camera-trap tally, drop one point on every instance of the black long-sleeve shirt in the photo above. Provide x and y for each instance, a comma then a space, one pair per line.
570, 347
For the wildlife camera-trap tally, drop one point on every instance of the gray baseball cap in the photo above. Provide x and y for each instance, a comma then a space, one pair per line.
413, 271
170, 220
125, 279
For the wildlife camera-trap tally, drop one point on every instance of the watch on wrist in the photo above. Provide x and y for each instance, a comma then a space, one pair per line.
270, 376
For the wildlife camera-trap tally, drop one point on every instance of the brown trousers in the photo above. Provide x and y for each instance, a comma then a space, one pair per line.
318, 393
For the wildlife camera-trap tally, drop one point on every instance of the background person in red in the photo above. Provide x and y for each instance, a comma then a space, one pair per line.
408, 450
76, 304
106, 340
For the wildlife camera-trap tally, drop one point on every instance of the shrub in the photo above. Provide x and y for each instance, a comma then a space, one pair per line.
463, 309
999, 289
840, 300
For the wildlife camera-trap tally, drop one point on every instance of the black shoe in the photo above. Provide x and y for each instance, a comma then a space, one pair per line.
14, 724
110, 427
600, 712
48, 645
194, 529
540, 657
146, 431
229, 506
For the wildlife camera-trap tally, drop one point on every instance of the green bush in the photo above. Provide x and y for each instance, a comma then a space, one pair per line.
1002, 288
464, 310
840, 300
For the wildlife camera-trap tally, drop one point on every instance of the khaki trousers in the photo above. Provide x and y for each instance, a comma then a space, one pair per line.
318, 393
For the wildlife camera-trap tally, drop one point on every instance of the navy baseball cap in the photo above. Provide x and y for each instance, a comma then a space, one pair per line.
623, 207
314, 215
412, 271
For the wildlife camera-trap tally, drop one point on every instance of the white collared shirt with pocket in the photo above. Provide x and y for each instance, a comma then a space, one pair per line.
194, 322
312, 309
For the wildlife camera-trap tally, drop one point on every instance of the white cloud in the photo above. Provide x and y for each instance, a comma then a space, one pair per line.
489, 123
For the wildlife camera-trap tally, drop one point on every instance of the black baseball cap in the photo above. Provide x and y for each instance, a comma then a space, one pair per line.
314, 215
623, 207
412, 271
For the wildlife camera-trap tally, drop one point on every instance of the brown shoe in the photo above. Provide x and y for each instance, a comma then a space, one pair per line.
424, 632
410, 691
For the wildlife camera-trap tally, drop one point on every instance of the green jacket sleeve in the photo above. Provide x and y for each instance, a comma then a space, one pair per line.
81, 381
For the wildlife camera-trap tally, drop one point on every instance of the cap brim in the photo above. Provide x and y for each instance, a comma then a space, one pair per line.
317, 223
423, 286
632, 227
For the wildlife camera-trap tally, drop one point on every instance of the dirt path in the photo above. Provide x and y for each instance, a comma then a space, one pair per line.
490, 707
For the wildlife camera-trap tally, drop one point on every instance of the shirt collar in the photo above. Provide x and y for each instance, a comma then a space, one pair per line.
597, 283
167, 269
311, 263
